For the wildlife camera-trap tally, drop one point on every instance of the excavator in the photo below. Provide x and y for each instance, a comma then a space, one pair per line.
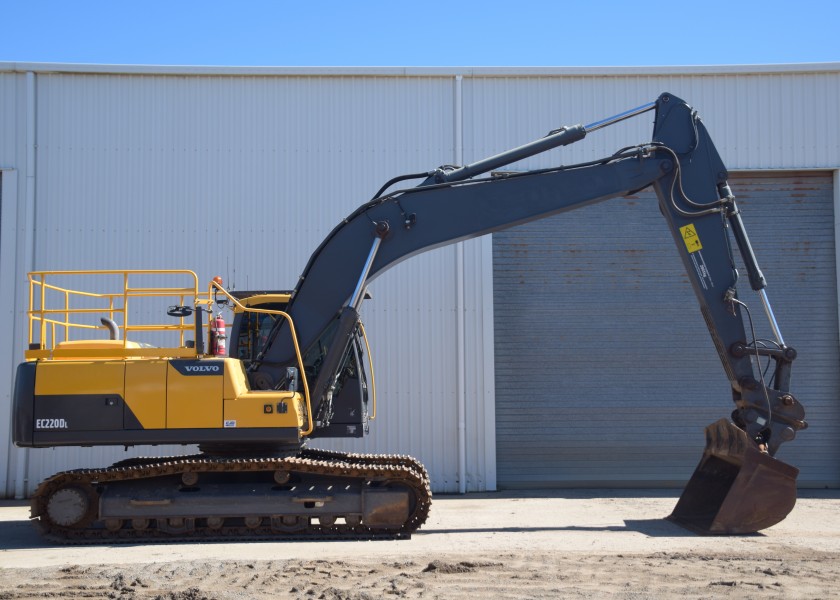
298, 363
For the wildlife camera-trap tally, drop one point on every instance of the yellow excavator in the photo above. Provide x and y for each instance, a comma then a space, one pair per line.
295, 365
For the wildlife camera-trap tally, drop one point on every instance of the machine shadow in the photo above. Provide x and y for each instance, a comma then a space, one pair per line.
21, 535
648, 527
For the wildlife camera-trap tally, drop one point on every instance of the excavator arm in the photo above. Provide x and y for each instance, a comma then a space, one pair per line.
453, 204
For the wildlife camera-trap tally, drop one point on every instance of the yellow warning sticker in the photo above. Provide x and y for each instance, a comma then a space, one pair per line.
690, 237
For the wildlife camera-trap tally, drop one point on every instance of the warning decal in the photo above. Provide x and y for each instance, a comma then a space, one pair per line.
690, 237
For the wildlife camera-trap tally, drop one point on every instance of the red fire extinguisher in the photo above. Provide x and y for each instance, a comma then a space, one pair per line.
218, 336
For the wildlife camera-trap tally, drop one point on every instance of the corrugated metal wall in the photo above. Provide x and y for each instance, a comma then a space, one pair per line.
241, 172
605, 371
5, 349
12, 161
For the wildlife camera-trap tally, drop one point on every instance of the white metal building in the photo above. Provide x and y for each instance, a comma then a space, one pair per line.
564, 352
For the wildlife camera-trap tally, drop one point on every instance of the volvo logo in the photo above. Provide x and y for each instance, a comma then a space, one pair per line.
198, 368
203, 369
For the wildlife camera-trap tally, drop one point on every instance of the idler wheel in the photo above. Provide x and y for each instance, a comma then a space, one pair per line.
72, 506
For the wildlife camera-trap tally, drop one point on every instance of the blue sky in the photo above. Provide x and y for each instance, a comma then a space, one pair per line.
432, 33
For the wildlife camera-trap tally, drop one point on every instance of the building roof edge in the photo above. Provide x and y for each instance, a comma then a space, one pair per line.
475, 72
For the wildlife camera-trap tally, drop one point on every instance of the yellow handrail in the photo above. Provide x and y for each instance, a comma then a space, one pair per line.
49, 323
372, 375
214, 285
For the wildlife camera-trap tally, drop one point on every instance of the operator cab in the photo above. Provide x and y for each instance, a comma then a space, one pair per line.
251, 329
346, 414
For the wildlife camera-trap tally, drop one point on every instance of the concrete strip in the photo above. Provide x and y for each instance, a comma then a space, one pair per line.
605, 522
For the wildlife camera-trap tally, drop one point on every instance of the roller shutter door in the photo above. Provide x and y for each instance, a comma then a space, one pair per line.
605, 372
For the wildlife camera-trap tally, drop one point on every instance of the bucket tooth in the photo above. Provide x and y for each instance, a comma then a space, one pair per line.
736, 488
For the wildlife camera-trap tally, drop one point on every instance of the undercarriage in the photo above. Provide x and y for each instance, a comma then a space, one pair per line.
314, 495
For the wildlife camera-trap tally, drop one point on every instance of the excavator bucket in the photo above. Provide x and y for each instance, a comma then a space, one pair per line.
736, 488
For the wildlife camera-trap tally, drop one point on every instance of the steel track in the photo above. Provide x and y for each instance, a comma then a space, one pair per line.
401, 470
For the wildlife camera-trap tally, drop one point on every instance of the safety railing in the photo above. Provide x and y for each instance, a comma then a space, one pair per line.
212, 294
60, 316
372, 373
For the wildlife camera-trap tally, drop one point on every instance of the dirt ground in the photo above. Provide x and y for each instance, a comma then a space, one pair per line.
551, 544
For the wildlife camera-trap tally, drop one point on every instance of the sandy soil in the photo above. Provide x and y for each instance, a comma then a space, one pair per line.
570, 544
542, 575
